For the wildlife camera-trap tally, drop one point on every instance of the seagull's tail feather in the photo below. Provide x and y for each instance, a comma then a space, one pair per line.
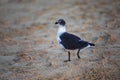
91, 44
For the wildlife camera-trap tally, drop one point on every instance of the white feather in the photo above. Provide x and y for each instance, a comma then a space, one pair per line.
61, 30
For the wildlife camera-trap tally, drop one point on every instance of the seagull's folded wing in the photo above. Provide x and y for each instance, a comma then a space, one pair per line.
83, 44
69, 41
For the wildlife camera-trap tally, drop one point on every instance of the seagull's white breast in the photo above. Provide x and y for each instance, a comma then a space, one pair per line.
61, 30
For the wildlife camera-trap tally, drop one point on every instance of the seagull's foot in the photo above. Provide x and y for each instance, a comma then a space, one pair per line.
78, 58
67, 60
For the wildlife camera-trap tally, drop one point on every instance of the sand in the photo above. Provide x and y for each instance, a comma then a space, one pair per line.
28, 47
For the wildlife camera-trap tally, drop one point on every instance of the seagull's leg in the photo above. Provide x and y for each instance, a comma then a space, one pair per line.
78, 54
68, 55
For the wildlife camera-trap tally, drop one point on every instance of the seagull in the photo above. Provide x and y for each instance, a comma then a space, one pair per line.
70, 41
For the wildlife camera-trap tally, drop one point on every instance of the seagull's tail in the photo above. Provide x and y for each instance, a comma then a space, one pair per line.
91, 44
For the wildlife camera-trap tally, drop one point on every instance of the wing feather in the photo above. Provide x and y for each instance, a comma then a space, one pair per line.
69, 41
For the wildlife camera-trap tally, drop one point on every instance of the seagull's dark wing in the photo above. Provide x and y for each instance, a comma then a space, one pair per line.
83, 44
69, 41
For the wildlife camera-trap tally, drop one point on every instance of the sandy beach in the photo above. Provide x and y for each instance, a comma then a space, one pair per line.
28, 46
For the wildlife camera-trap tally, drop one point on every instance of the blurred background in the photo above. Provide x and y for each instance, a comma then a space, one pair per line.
28, 47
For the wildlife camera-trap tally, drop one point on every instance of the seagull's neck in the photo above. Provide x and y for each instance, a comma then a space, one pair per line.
61, 29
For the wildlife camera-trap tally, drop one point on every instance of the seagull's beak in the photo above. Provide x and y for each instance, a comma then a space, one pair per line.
56, 22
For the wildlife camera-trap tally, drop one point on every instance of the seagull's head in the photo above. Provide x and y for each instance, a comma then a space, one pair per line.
61, 22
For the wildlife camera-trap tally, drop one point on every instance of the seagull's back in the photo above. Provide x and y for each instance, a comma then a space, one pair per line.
71, 41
